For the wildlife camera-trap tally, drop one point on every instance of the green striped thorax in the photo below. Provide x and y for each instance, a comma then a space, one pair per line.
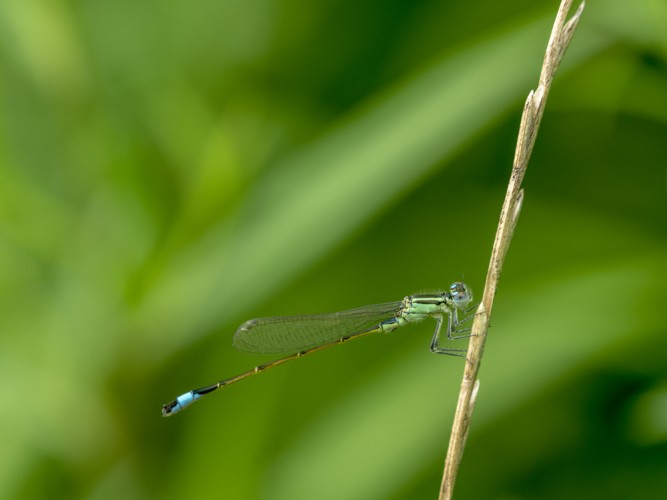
419, 306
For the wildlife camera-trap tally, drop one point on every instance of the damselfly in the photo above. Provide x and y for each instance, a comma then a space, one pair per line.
301, 335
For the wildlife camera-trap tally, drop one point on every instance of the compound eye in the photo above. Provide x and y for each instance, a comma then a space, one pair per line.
460, 294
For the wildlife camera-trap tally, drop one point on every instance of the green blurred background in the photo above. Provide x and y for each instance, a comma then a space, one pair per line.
170, 169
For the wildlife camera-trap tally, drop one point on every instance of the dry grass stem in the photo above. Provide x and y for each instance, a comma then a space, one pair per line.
532, 115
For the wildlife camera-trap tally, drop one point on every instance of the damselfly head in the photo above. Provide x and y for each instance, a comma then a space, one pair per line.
461, 294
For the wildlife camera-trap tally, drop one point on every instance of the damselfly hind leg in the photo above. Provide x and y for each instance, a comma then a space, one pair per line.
456, 330
453, 330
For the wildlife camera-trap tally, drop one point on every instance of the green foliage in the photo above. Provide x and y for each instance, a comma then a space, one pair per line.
171, 169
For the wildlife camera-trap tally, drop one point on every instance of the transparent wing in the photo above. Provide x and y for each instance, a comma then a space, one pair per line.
290, 334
